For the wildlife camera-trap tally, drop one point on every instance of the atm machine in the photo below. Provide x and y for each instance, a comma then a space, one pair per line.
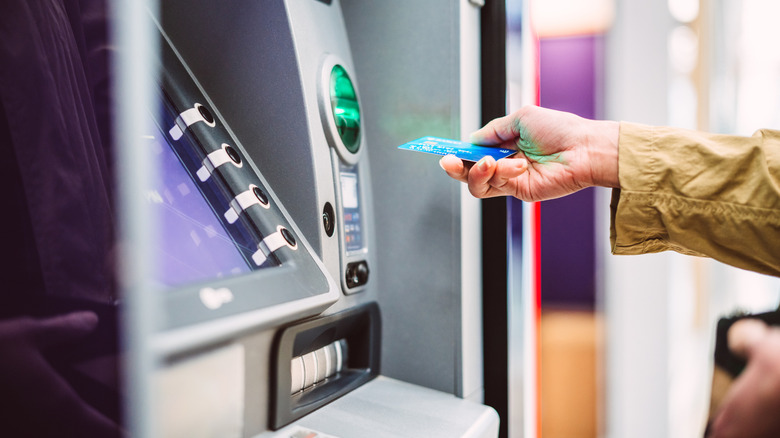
270, 308
214, 233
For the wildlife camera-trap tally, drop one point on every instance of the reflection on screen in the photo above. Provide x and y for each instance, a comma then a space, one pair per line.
192, 241
349, 197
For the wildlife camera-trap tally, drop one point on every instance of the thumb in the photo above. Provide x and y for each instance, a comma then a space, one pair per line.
479, 176
63, 328
745, 334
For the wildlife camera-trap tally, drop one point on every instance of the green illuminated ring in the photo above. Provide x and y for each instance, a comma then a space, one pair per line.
340, 109
346, 111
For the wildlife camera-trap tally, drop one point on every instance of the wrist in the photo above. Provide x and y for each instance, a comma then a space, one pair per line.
602, 144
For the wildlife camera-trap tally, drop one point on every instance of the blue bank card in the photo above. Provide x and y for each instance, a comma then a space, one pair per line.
462, 150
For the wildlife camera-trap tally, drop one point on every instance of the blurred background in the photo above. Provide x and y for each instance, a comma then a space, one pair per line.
102, 335
626, 342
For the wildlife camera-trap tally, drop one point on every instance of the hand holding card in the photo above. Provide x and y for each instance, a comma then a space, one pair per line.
558, 154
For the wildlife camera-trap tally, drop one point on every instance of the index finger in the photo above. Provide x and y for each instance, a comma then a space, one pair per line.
497, 131
63, 328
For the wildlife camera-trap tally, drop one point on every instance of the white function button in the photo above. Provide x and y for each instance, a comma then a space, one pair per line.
244, 200
226, 154
187, 118
281, 238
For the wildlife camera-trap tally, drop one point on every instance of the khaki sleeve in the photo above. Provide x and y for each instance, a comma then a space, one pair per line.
700, 194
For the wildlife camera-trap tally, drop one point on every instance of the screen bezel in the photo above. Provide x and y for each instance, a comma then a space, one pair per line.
299, 286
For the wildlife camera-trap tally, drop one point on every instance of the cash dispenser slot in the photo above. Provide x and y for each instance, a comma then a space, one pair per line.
320, 360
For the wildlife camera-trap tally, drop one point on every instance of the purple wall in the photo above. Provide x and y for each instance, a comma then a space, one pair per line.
570, 78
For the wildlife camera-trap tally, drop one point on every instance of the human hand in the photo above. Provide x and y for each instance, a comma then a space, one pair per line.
750, 408
558, 154
40, 402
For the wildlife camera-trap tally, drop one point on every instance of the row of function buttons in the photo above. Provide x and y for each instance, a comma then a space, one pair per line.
252, 196
356, 273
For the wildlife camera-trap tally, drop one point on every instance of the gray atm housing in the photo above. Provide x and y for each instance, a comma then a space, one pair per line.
265, 78
261, 65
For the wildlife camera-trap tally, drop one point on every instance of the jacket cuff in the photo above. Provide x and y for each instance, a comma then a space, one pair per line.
636, 223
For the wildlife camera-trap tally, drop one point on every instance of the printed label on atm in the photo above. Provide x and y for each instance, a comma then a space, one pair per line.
462, 150
301, 432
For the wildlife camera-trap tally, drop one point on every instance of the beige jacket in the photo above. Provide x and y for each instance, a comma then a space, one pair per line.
699, 194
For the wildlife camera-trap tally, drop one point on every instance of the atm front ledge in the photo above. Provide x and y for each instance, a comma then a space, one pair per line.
389, 408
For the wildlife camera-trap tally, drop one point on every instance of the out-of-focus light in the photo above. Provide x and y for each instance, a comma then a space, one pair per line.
682, 101
684, 11
558, 18
757, 64
683, 49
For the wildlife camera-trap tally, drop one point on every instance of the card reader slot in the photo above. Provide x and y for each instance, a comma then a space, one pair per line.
318, 366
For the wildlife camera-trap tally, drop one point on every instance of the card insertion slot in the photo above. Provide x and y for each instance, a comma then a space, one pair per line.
317, 366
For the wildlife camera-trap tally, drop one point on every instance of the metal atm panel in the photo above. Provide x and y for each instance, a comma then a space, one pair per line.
267, 69
423, 81
228, 267
197, 158
283, 109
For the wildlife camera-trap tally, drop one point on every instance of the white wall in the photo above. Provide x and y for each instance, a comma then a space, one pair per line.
634, 288
661, 309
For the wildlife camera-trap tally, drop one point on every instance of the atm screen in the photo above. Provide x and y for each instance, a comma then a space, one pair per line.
350, 195
193, 241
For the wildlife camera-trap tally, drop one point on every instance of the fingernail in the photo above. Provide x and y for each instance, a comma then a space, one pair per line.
483, 163
441, 163
88, 320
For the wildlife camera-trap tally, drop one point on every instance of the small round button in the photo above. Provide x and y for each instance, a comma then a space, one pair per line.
328, 219
361, 272
233, 154
351, 276
288, 236
206, 114
260, 195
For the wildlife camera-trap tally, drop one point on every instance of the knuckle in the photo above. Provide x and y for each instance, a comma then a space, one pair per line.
476, 190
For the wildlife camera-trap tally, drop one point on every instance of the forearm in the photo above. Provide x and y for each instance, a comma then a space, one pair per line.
699, 193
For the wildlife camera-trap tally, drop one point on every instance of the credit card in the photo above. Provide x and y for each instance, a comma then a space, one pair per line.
462, 150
